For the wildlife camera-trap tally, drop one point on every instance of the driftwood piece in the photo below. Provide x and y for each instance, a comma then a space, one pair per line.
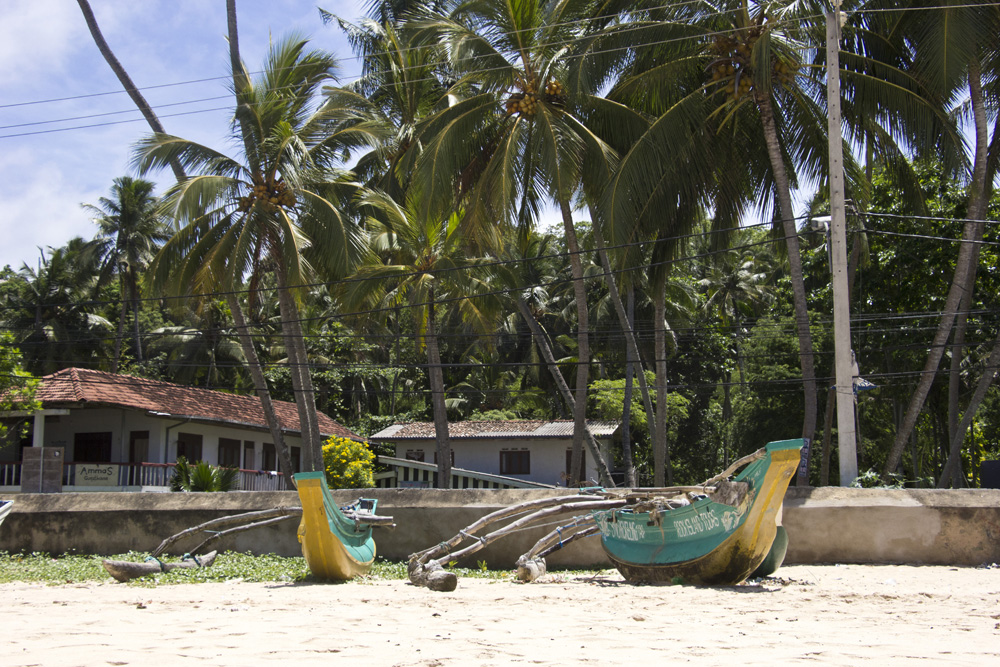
227, 521
433, 576
125, 571
258, 524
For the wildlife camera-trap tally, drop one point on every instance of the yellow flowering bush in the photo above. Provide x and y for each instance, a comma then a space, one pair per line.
348, 464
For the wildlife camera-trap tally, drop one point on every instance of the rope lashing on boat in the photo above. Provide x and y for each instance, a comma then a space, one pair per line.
162, 567
473, 537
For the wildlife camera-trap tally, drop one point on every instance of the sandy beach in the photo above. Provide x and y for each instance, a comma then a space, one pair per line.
824, 614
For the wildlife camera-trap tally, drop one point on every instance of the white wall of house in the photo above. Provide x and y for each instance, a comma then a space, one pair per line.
547, 456
60, 431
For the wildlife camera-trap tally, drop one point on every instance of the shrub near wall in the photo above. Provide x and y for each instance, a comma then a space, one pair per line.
349, 464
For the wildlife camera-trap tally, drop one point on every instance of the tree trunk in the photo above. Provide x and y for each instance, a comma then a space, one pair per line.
787, 213
260, 385
550, 361
583, 345
952, 472
632, 348
298, 362
661, 454
121, 325
123, 77
630, 363
134, 289
436, 377
972, 233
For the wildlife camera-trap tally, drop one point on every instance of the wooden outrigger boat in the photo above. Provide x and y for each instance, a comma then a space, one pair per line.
718, 532
718, 538
337, 543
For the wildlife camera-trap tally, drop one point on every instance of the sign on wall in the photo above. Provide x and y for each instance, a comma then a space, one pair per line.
96, 474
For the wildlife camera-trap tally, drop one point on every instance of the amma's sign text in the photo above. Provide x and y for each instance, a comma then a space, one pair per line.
96, 474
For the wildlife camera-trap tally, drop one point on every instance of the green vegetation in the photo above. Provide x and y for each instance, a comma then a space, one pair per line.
349, 464
203, 476
228, 566
383, 247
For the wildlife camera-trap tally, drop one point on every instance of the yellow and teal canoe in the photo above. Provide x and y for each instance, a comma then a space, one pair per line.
717, 539
336, 547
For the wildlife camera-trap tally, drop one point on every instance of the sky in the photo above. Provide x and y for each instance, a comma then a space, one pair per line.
57, 150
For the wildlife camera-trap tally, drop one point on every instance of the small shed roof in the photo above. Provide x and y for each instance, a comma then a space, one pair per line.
80, 387
494, 429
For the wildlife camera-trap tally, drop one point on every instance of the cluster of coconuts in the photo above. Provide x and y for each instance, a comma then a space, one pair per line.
731, 66
526, 101
269, 192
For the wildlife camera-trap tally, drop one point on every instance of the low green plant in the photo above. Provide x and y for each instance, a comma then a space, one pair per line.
203, 477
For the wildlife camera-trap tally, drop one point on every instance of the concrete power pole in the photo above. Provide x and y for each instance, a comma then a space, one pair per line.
846, 429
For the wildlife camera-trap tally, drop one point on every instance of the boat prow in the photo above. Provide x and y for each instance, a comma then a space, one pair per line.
335, 547
713, 540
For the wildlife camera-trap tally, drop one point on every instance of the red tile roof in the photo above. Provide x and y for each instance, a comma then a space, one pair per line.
74, 387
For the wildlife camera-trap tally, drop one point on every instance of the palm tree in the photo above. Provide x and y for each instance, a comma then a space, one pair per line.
955, 51
51, 311
125, 79
130, 231
277, 211
427, 269
520, 132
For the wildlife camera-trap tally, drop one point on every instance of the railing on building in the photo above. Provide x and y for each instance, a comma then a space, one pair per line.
417, 474
146, 476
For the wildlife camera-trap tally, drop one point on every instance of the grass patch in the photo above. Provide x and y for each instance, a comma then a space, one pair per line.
228, 566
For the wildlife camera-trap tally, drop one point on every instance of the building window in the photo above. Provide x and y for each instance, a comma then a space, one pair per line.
296, 455
582, 476
515, 462
92, 447
415, 455
229, 453
270, 461
138, 446
189, 446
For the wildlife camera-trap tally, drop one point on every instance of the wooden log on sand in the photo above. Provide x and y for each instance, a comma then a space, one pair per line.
125, 570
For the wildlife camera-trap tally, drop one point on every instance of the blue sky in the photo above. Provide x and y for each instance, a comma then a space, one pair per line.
47, 55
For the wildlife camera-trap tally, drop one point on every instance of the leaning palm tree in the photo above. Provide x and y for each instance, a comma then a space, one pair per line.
130, 231
428, 269
275, 210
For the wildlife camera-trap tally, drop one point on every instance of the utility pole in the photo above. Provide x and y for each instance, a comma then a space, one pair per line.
846, 429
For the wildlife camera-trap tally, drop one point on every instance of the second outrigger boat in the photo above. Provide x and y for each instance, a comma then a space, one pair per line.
716, 533
703, 538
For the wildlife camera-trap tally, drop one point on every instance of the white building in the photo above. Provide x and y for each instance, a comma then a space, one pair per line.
535, 451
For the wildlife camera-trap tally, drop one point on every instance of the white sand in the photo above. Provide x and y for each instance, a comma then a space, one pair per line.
807, 614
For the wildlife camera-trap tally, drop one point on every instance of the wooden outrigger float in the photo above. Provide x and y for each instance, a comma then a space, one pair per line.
337, 543
718, 532
5, 507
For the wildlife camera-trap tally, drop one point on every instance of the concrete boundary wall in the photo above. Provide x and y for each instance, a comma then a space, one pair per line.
825, 525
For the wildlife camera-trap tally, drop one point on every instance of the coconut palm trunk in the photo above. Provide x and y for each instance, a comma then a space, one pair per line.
246, 342
582, 342
787, 213
550, 362
436, 377
305, 397
126, 81
260, 384
972, 233
663, 474
623, 320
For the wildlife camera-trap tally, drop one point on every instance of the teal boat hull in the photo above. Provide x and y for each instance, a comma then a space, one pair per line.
706, 542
